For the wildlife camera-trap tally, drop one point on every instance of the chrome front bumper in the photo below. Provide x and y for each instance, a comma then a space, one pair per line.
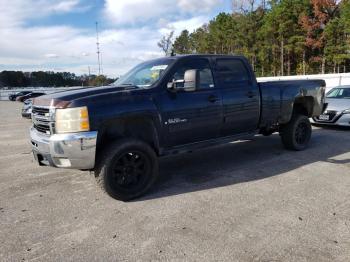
74, 150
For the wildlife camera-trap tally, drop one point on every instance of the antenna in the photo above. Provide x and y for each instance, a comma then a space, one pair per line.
98, 50
101, 62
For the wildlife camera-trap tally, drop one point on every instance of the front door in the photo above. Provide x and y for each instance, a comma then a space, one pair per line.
192, 116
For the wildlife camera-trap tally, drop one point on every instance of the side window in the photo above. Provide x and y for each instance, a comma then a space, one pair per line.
231, 71
205, 78
205, 74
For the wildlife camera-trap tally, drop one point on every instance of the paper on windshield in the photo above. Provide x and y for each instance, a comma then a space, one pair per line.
159, 67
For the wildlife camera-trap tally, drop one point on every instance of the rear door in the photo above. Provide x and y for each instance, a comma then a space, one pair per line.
241, 98
192, 116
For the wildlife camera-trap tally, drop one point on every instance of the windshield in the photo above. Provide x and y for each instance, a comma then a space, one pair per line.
339, 93
145, 74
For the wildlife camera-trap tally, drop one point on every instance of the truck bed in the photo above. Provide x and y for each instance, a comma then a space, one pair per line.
278, 98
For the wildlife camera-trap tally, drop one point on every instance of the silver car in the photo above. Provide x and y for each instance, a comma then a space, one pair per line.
337, 110
27, 108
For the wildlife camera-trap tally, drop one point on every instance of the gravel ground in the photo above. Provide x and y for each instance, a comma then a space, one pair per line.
244, 201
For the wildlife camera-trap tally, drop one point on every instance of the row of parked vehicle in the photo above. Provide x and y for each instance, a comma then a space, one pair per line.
25, 95
27, 98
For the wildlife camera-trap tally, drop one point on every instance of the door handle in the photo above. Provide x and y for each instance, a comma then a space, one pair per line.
250, 94
213, 99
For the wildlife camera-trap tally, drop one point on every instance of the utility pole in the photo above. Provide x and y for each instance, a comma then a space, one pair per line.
98, 50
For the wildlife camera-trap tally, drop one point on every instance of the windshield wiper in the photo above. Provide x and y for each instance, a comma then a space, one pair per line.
129, 85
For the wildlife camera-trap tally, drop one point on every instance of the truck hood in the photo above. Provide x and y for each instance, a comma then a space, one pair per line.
65, 98
338, 104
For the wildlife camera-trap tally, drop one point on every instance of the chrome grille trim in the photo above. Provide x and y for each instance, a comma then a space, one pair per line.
42, 118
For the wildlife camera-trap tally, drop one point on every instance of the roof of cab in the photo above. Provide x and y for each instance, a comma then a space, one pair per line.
205, 55
184, 56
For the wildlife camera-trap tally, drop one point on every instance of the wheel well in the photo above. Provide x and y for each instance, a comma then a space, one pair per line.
139, 128
304, 106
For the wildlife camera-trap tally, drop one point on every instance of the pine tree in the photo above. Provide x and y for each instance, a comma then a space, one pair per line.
182, 44
282, 37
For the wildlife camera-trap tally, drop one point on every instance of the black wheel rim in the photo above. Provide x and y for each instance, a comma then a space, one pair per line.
130, 171
302, 133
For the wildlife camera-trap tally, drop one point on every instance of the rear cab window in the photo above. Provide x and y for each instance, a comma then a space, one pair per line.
231, 71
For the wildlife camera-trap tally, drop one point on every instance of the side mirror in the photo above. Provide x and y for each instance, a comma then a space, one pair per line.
191, 80
188, 84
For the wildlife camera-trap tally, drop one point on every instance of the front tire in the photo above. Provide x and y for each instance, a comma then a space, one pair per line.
127, 169
296, 134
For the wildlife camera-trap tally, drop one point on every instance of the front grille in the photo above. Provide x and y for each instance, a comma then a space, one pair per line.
41, 111
41, 119
42, 128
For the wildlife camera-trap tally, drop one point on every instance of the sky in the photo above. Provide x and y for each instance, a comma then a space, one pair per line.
60, 35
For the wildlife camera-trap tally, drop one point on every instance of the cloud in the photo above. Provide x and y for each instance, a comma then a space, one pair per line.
132, 11
65, 6
180, 25
51, 56
131, 37
49, 48
67, 47
136, 11
194, 6
17, 12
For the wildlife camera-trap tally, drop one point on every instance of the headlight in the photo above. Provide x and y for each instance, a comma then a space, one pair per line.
347, 111
71, 120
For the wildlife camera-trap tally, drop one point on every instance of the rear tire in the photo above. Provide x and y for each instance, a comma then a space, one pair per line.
127, 169
296, 134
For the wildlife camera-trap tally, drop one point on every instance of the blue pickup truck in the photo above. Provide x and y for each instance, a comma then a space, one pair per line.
167, 106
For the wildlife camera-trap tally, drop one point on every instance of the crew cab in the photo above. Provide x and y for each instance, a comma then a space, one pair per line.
167, 106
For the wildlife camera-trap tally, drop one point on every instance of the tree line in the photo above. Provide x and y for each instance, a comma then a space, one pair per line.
50, 79
279, 37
